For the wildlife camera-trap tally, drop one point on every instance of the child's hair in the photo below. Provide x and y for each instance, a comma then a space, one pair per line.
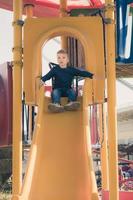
62, 51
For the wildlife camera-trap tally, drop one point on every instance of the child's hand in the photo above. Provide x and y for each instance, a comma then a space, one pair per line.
92, 75
41, 83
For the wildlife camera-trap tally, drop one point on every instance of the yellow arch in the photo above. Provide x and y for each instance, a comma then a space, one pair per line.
43, 32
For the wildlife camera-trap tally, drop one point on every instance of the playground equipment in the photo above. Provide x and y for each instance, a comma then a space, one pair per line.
63, 124
60, 163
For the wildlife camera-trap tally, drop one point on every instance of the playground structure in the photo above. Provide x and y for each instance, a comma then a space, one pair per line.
60, 163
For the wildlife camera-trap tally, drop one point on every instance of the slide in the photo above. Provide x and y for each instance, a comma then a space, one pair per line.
58, 167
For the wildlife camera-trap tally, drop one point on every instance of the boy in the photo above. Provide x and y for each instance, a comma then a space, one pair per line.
63, 77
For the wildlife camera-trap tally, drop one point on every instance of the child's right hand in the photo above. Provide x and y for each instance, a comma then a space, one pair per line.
41, 83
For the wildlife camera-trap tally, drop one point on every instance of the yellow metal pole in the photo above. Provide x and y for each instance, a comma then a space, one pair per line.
29, 14
63, 13
111, 95
17, 99
29, 10
104, 151
63, 8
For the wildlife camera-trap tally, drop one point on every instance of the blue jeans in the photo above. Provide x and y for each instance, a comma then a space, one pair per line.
63, 92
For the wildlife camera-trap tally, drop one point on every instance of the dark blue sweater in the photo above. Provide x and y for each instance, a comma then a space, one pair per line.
63, 77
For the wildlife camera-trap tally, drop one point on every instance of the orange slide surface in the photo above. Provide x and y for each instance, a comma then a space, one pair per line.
58, 167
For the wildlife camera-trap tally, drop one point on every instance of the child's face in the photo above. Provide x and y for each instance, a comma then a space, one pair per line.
62, 59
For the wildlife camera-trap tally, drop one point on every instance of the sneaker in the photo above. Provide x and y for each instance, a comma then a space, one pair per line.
72, 106
55, 107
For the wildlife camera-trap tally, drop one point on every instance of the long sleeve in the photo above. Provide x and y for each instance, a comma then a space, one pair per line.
82, 72
48, 76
